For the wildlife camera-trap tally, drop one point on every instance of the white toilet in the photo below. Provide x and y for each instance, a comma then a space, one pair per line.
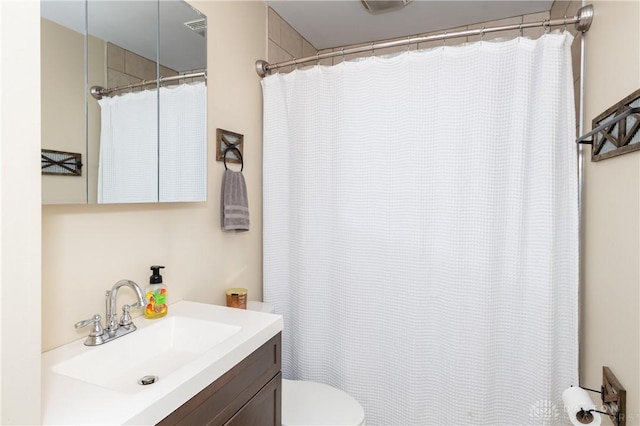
309, 403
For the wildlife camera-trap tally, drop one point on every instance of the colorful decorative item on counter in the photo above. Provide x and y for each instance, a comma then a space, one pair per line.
156, 295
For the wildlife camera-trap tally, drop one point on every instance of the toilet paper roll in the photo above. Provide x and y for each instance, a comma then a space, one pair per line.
576, 403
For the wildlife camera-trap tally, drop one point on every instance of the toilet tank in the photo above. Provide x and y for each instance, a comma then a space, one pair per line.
253, 305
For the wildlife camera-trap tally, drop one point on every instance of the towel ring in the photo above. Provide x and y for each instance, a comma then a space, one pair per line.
233, 148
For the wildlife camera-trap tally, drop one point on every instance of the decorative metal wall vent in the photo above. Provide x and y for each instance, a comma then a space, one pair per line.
61, 163
617, 130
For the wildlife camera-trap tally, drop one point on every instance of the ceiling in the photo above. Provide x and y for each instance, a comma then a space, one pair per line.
332, 23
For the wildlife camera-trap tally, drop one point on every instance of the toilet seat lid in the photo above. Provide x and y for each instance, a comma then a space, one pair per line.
312, 403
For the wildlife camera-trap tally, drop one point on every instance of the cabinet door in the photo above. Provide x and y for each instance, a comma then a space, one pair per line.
263, 409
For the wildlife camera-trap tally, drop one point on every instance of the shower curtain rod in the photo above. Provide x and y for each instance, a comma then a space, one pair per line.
582, 22
98, 92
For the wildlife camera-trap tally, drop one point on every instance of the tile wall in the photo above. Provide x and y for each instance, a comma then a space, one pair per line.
285, 43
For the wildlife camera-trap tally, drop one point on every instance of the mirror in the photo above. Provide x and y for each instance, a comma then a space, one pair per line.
63, 83
127, 46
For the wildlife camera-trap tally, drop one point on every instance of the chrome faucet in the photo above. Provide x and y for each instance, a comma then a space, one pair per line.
114, 329
112, 318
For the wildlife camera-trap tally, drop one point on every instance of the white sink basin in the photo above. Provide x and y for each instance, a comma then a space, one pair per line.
157, 350
190, 348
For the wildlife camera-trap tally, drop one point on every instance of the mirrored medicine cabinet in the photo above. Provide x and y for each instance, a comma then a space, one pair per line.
129, 45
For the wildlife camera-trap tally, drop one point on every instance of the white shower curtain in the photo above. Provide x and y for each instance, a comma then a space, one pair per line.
128, 163
421, 230
137, 166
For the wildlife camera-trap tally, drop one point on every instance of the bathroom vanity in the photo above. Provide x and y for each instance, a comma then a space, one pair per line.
213, 365
248, 394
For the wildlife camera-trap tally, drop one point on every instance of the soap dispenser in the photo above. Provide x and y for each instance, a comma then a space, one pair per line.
156, 295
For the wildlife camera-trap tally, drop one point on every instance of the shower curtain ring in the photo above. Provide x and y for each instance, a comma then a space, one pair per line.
521, 31
565, 22
408, 43
295, 63
318, 57
482, 34
546, 26
444, 39
342, 50
373, 50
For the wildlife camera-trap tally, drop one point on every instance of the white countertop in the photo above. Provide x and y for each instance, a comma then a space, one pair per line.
68, 401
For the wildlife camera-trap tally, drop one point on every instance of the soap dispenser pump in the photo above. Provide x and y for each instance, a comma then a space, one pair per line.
156, 295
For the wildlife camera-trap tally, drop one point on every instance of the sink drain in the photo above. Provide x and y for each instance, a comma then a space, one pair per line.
148, 380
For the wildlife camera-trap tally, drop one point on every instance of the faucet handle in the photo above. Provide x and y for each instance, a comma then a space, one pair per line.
97, 326
125, 319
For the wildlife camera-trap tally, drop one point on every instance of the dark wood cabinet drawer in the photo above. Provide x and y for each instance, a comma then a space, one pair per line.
263, 409
252, 380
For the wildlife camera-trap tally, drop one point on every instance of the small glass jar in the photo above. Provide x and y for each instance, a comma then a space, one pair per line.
237, 298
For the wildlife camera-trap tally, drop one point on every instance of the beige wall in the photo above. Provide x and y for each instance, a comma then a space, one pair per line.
611, 261
19, 212
86, 249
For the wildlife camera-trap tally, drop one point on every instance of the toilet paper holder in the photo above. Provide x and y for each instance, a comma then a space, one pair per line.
614, 399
